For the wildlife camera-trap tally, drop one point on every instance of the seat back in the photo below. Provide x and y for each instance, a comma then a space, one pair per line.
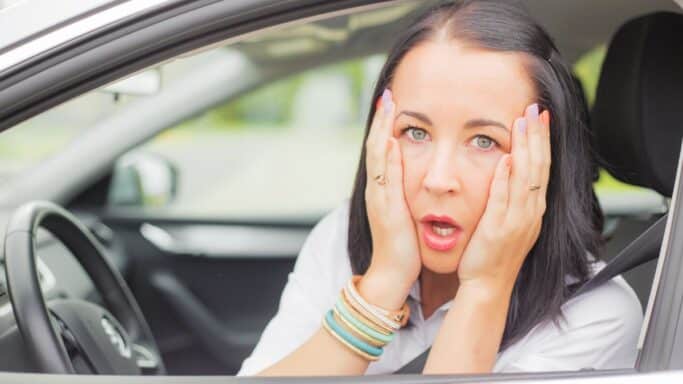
637, 120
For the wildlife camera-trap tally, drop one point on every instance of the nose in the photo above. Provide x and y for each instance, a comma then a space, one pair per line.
442, 176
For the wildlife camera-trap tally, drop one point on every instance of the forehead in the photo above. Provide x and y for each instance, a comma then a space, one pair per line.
448, 79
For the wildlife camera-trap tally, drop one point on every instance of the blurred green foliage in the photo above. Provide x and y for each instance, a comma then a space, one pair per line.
272, 105
587, 69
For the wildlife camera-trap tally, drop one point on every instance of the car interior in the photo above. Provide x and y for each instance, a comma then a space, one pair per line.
188, 272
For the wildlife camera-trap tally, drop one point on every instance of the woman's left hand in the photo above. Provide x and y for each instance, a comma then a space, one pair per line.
512, 220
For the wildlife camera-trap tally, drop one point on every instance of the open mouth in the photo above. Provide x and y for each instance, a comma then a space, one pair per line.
440, 233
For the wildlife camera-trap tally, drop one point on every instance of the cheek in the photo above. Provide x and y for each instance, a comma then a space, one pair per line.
476, 184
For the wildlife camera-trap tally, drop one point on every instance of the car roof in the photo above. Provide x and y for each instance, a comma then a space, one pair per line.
21, 19
33, 27
577, 25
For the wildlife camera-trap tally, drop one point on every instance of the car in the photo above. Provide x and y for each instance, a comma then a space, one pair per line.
174, 140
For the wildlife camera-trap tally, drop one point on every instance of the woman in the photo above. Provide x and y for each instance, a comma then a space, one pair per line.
458, 221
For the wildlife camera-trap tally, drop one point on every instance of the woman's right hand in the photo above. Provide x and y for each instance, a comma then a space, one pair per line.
396, 262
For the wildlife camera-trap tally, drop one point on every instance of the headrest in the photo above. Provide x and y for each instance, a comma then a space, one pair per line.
638, 111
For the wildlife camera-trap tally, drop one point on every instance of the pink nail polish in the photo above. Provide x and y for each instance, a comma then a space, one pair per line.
532, 111
521, 125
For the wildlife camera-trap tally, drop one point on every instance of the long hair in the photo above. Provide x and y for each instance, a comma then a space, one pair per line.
568, 233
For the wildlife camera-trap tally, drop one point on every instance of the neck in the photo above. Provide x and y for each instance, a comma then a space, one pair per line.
436, 289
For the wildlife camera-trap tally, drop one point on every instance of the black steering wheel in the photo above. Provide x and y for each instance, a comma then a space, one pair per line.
73, 335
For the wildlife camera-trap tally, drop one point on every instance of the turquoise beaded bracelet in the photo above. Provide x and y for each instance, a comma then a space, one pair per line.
360, 326
351, 339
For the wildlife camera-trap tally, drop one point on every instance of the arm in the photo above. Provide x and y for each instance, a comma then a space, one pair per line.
323, 354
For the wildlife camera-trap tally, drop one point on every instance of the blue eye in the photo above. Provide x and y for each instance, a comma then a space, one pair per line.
484, 142
416, 134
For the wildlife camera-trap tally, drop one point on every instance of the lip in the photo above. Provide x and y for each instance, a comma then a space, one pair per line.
442, 218
438, 242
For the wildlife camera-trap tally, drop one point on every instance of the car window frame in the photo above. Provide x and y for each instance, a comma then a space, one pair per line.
661, 339
74, 70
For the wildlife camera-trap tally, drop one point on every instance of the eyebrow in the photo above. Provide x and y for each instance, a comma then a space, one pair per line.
470, 124
485, 122
420, 116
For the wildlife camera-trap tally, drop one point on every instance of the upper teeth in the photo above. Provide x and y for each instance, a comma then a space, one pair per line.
442, 231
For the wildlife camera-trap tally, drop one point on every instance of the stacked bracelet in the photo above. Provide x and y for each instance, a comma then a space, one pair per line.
360, 326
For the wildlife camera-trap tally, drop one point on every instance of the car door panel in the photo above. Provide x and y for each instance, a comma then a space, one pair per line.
210, 290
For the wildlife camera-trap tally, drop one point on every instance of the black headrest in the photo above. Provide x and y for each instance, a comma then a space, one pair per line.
638, 111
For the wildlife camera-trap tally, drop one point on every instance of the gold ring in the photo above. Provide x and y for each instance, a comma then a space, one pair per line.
380, 179
534, 187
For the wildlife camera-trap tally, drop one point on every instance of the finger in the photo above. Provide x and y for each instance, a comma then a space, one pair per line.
499, 191
547, 152
375, 122
395, 173
547, 159
536, 137
377, 145
519, 174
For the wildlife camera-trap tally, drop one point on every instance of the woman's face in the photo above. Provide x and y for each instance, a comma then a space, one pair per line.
454, 110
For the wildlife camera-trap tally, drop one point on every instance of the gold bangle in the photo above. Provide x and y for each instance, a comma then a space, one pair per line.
364, 316
356, 332
348, 345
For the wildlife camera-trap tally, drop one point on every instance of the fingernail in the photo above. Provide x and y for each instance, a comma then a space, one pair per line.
521, 125
532, 111
387, 102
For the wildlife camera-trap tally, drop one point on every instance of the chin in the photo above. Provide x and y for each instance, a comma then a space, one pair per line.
440, 262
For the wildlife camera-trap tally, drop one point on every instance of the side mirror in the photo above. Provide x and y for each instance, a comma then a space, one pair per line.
143, 180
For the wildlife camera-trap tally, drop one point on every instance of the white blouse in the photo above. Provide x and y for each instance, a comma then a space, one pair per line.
600, 329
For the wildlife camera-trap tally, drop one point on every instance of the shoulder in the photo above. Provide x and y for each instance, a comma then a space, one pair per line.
598, 329
323, 261
327, 240
613, 301
336, 221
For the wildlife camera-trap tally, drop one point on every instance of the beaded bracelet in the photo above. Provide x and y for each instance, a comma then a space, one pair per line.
360, 326
361, 314
356, 332
362, 349
393, 319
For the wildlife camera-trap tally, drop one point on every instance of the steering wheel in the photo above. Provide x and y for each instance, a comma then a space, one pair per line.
73, 335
